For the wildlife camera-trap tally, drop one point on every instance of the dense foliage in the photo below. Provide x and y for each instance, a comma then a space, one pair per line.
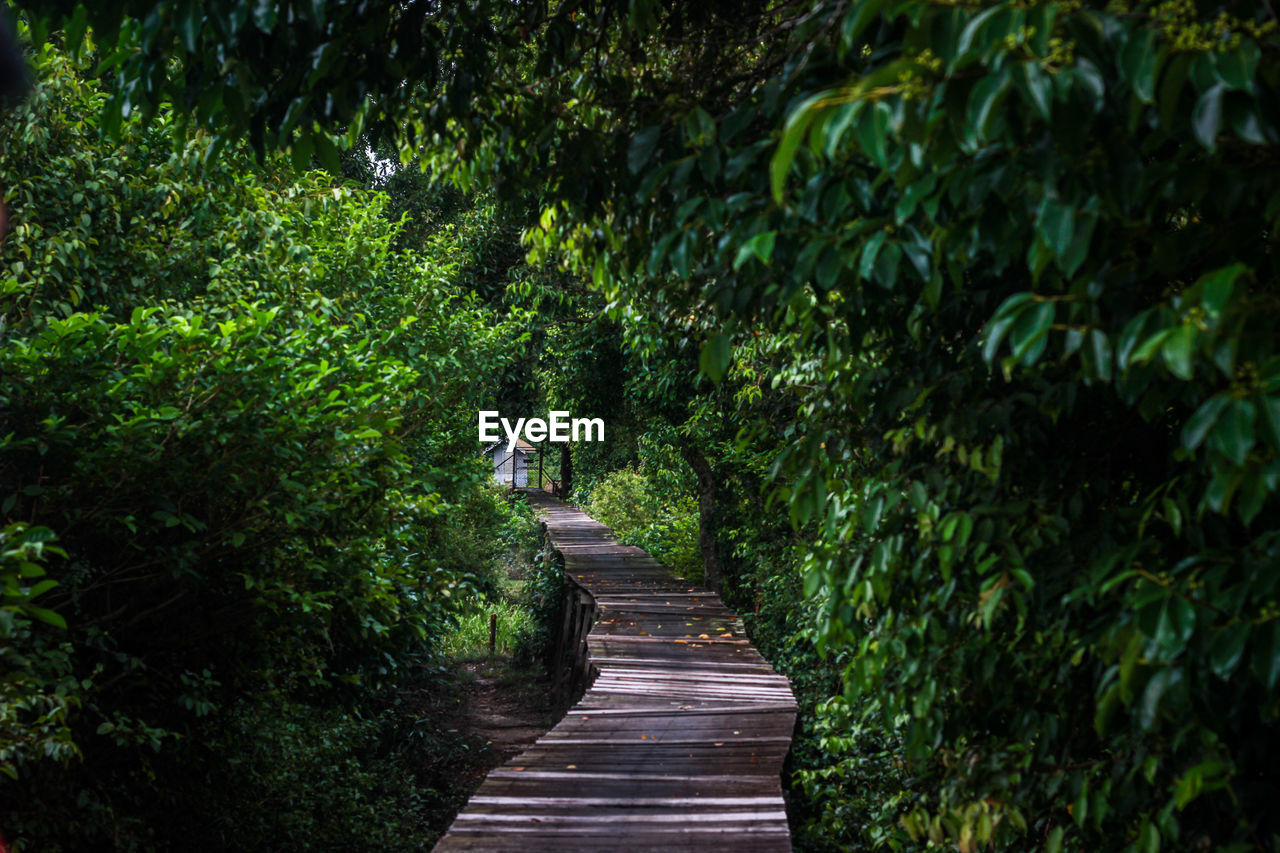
989, 293
245, 411
662, 521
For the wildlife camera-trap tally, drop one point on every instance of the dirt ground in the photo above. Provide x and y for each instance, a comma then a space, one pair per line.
506, 707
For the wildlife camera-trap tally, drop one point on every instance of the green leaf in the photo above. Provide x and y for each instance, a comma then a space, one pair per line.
1139, 61
1270, 408
1177, 351
1176, 624
1087, 76
1073, 256
1233, 434
857, 19
969, 35
985, 101
912, 193
1266, 654
830, 263
1029, 335
917, 252
873, 132
1159, 685
1107, 707
1000, 322
641, 149
190, 18
1253, 493
327, 153
886, 271
47, 616
1056, 224
1206, 118
700, 128
1039, 254
264, 15
1221, 488
793, 133
1236, 67
1171, 84
760, 247
1226, 648
1080, 810
1207, 775
1147, 350
870, 251
1133, 332
932, 293
1100, 348
1199, 424
1037, 88
300, 152
75, 29
41, 588
829, 133
917, 496
1149, 841
1217, 286
714, 361
1246, 121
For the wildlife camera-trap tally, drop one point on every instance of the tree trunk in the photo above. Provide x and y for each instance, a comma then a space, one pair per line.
566, 471
706, 513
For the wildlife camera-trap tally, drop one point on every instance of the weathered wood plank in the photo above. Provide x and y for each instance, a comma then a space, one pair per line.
677, 744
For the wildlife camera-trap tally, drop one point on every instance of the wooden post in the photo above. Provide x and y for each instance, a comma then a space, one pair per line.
493, 632
540, 454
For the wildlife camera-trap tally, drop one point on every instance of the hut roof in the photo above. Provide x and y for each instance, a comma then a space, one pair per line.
521, 444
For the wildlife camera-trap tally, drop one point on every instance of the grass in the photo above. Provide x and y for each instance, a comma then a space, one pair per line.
470, 638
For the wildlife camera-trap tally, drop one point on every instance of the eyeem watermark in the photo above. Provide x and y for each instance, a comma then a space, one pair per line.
558, 427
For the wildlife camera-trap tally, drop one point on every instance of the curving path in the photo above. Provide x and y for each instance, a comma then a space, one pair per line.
678, 744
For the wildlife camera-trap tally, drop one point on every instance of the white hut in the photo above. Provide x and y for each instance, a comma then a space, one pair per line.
513, 466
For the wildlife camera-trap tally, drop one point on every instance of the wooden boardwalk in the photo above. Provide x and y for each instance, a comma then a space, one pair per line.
678, 744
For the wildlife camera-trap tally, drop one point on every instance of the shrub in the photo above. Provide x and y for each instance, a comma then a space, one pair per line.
245, 412
39, 690
641, 514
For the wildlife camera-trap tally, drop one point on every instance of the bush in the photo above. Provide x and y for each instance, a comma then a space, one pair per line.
39, 690
289, 775
666, 525
520, 595
246, 413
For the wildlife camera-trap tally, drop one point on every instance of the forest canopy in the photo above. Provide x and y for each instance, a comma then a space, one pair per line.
981, 297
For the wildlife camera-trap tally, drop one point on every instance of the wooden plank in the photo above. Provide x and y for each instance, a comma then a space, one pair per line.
676, 745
